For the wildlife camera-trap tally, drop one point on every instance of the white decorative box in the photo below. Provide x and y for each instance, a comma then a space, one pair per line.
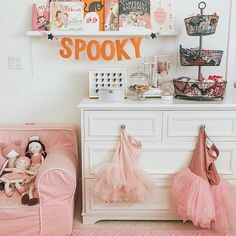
106, 78
111, 94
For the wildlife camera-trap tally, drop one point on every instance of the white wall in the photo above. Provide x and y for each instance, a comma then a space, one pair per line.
49, 88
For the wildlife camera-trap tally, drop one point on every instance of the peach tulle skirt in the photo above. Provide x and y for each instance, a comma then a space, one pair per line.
207, 206
121, 179
114, 184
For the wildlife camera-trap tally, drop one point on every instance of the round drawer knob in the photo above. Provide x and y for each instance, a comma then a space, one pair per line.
122, 126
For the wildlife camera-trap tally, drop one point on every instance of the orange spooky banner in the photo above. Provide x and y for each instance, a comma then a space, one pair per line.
108, 49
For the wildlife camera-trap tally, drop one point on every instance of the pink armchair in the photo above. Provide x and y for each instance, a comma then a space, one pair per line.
55, 183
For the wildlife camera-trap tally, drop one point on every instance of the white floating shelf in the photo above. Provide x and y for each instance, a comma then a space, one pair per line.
100, 33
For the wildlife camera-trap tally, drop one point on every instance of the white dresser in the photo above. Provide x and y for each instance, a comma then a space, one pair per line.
168, 132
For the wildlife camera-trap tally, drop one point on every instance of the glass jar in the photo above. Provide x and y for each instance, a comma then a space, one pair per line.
139, 83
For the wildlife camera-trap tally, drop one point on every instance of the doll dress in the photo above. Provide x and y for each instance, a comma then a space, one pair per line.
36, 162
37, 159
121, 179
15, 177
200, 194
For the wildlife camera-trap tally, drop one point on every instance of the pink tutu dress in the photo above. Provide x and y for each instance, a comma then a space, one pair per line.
199, 194
122, 179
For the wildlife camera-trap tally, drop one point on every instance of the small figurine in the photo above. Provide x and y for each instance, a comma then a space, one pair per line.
167, 92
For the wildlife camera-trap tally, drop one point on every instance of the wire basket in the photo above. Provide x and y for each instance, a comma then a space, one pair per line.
194, 57
197, 90
201, 24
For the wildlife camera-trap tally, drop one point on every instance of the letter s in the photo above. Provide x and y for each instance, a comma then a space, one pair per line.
65, 43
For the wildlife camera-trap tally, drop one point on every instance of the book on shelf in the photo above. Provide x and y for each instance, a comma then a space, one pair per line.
111, 15
66, 15
40, 17
134, 15
94, 17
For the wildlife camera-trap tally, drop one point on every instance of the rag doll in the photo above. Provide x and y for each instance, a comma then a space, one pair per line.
35, 150
28, 196
9, 153
17, 176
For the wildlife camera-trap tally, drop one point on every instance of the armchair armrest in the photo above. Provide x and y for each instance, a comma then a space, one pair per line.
56, 185
57, 174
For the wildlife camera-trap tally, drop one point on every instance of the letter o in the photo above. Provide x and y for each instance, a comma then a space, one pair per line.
89, 50
112, 50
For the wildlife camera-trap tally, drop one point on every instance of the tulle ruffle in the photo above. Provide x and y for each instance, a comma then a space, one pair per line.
113, 184
207, 206
138, 186
109, 183
225, 205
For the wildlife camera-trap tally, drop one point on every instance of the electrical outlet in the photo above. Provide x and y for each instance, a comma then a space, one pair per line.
15, 62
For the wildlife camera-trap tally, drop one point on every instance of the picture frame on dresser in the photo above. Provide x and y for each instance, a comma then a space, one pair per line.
106, 78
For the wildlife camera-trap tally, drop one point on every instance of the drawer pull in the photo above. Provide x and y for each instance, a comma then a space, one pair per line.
203, 126
123, 126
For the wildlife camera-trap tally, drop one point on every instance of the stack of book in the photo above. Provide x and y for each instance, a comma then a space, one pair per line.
92, 15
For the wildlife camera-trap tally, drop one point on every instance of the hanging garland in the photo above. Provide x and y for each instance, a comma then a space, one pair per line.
95, 50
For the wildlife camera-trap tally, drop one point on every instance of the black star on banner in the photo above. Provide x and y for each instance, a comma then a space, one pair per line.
50, 36
153, 36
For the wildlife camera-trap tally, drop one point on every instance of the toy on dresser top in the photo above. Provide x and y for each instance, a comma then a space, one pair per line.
19, 172
101, 81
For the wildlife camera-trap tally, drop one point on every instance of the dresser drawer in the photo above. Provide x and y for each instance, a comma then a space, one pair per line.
159, 202
181, 126
105, 125
160, 161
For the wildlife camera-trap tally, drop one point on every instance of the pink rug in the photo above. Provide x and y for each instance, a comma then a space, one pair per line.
135, 232
140, 228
